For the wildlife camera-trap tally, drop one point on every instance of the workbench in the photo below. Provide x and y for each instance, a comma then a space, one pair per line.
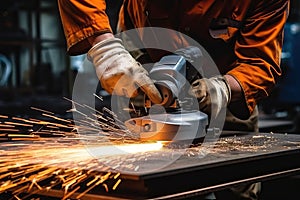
234, 158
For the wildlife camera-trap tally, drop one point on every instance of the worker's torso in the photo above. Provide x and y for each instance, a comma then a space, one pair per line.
215, 24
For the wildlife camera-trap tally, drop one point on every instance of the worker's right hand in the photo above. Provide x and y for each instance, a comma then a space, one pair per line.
119, 73
213, 94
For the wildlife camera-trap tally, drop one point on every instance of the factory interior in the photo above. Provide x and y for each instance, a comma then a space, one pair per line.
37, 77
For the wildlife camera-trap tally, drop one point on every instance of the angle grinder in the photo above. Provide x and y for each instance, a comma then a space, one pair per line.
177, 117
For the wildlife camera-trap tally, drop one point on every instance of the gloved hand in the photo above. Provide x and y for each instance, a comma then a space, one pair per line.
119, 72
213, 94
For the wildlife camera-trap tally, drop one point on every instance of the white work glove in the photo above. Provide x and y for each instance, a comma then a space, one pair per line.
213, 94
119, 72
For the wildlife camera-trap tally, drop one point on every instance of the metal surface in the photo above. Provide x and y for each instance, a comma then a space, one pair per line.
211, 166
232, 160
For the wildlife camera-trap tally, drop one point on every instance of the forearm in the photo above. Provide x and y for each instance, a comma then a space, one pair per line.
258, 50
83, 22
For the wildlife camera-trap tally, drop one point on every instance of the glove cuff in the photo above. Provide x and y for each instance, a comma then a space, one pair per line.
106, 52
104, 46
226, 84
225, 92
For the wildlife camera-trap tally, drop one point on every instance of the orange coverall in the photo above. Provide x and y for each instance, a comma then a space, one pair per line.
249, 49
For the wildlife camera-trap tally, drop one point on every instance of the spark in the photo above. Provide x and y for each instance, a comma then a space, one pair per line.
73, 164
42, 110
117, 175
116, 184
17, 197
133, 107
9, 129
64, 164
57, 118
105, 187
99, 97
73, 102
18, 124
5, 125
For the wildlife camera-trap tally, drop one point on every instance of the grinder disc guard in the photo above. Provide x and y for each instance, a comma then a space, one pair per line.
185, 126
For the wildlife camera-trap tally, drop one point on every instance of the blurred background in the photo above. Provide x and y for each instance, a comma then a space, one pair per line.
36, 71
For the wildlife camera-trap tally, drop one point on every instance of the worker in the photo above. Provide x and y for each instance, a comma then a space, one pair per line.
244, 38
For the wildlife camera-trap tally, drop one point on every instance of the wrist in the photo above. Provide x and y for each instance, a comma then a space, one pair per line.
99, 38
238, 104
235, 87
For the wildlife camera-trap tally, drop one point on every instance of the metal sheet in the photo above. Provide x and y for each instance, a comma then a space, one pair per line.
214, 165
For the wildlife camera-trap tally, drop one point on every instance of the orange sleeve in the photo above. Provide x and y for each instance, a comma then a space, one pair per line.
81, 20
259, 50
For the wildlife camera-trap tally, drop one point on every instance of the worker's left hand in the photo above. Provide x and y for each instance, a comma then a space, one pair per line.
119, 73
213, 94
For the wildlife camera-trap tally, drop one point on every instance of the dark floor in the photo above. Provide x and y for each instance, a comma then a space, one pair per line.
285, 188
